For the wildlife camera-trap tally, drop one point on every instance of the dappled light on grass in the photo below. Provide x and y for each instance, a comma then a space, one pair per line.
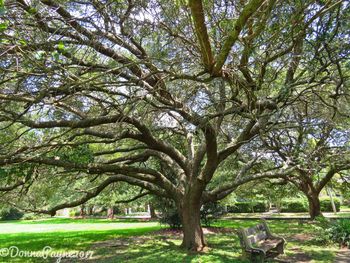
67, 240
149, 242
160, 248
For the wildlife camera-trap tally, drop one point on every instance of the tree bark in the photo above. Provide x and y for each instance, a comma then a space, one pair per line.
314, 205
152, 211
82, 211
110, 213
193, 237
90, 210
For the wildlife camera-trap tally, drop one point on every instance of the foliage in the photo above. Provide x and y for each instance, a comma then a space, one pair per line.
170, 217
319, 228
301, 205
78, 154
210, 212
32, 216
269, 191
74, 212
326, 205
339, 232
336, 231
294, 205
10, 213
248, 207
168, 213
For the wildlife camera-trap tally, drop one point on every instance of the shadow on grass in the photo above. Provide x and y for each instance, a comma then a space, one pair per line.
142, 246
63, 241
159, 250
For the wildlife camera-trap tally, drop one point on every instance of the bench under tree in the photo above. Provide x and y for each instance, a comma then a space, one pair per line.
259, 244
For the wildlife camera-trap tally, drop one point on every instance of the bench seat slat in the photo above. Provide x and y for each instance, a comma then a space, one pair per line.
269, 244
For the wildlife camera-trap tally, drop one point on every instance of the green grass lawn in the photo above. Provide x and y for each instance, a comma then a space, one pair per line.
130, 241
345, 213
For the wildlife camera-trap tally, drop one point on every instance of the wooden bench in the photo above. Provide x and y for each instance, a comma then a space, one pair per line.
259, 244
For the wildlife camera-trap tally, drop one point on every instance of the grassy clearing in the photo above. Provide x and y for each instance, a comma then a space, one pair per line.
125, 241
345, 208
57, 220
71, 225
65, 235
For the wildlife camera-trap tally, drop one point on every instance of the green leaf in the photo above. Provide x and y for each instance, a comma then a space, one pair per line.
4, 41
56, 56
60, 46
32, 10
23, 42
2, 7
3, 26
40, 55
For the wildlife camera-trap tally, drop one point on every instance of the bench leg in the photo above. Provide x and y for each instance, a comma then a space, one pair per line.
280, 248
257, 258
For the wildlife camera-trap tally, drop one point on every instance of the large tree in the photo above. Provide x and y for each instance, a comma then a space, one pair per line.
317, 147
158, 94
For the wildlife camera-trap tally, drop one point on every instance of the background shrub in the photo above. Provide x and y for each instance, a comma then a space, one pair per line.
210, 211
74, 213
301, 205
10, 213
326, 205
248, 207
168, 212
294, 205
32, 216
171, 218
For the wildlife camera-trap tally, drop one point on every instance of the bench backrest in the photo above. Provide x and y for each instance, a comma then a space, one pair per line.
250, 236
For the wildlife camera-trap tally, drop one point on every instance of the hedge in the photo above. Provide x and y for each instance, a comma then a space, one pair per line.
294, 205
301, 205
326, 205
248, 207
10, 213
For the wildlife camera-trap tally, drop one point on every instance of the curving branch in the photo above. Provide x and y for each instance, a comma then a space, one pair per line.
226, 189
197, 11
248, 10
11, 187
95, 192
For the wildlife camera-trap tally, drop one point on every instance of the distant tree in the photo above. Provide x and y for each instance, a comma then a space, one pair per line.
317, 146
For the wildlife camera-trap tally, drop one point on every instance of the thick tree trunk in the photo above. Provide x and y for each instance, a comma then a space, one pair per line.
314, 205
193, 237
152, 211
110, 213
82, 211
90, 210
